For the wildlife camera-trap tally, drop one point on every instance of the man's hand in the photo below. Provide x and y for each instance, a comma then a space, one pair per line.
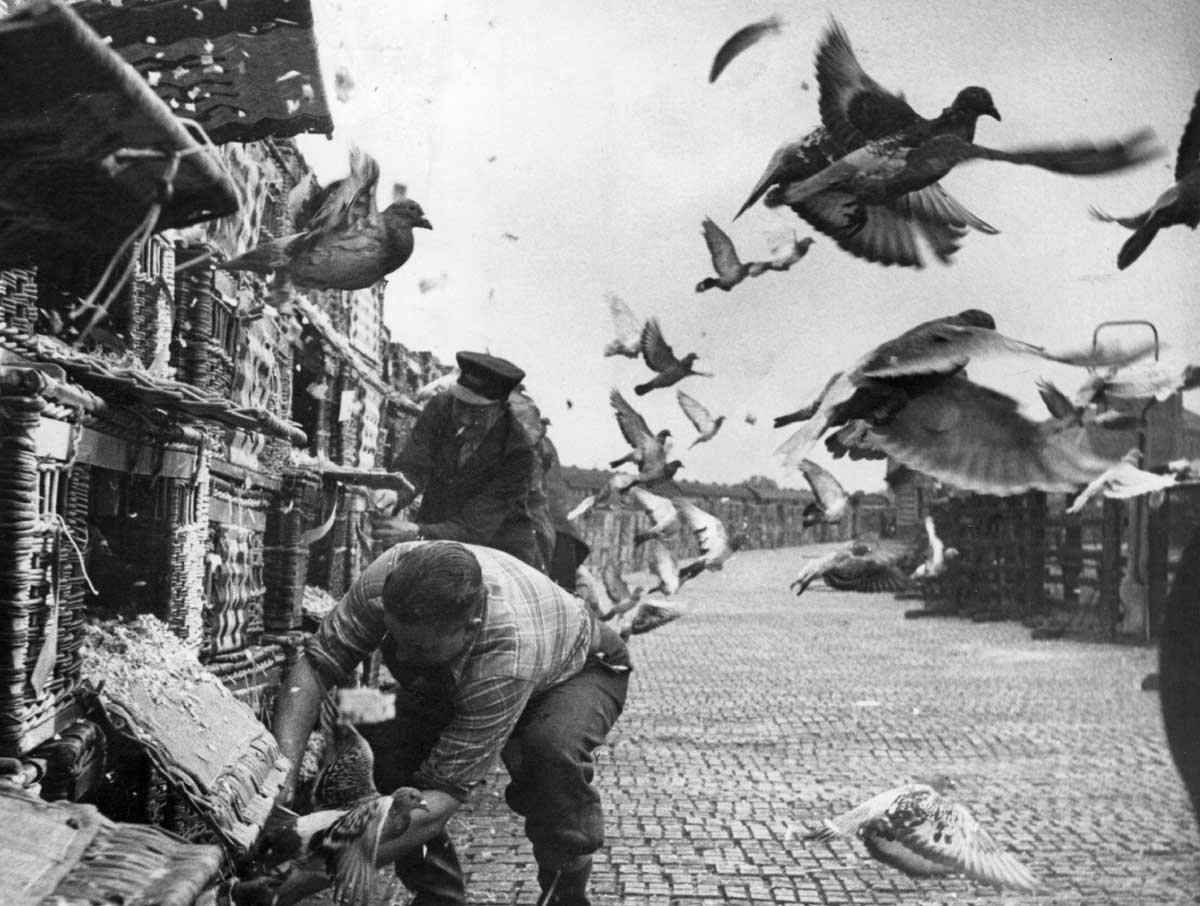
393, 529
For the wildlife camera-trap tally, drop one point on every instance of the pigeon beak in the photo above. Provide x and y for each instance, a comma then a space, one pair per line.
993, 112
423, 222
422, 804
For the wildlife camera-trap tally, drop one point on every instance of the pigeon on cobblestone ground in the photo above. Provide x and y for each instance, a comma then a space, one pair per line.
1178, 206
915, 829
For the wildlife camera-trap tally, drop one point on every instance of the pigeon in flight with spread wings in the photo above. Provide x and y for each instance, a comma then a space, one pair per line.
729, 267
711, 536
702, 420
921, 409
907, 153
1121, 481
628, 328
740, 41
853, 568
347, 243
1068, 413
888, 233
661, 358
1179, 205
919, 831
1139, 381
664, 516
649, 451
623, 599
830, 501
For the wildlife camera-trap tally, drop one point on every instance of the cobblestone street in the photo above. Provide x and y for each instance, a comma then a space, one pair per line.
759, 714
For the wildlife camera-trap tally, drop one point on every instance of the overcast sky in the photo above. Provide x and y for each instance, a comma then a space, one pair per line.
590, 133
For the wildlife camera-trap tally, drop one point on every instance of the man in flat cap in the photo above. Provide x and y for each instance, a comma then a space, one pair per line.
473, 464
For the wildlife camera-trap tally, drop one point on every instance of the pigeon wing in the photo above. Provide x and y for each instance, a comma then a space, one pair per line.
948, 834
696, 413
865, 574
974, 437
657, 354
348, 202
628, 329
354, 840
660, 510
720, 248
1188, 156
1056, 401
709, 530
633, 427
741, 40
854, 107
615, 584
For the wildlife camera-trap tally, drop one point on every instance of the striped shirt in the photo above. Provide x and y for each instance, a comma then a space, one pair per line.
534, 635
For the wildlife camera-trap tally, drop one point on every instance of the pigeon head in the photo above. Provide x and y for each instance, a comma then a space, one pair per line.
672, 467
689, 360
975, 101
974, 317
406, 212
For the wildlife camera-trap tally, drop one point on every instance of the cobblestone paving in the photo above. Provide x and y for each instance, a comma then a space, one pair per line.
759, 714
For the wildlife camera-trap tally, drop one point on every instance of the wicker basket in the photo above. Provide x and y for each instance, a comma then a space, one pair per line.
206, 330
152, 304
233, 579
18, 299
285, 556
43, 507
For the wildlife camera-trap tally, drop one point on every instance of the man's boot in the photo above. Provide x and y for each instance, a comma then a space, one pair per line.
571, 886
436, 879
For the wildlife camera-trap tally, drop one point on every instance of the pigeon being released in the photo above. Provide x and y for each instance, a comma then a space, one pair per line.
917, 830
702, 420
347, 771
345, 842
661, 358
1179, 205
347, 244
740, 41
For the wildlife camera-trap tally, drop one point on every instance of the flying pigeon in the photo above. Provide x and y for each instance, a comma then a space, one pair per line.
1139, 381
831, 498
1062, 408
715, 544
729, 267
610, 494
348, 244
663, 565
887, 169
664, 516
628, 329
650, 616
618, 591
853, 568
661, 358
345, 842
1122, 481
1180, 204
740, 40
885, 233
701, 419
919, 408
938, 555
648, 451
917, 830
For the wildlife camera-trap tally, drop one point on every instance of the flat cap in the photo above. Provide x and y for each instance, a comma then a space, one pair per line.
484, 379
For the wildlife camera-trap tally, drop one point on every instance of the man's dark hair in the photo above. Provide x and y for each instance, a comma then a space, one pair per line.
438, 582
